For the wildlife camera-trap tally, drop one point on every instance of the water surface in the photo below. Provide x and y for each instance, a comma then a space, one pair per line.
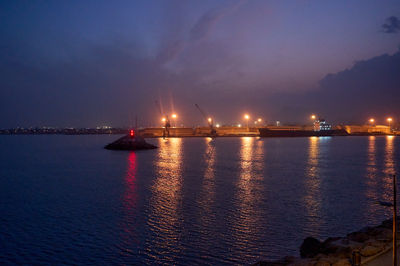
64, 199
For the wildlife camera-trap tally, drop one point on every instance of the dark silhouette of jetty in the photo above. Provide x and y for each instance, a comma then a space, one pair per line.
130, 143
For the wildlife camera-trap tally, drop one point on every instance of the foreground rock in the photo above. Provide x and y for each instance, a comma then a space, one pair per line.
130, 143
368, 242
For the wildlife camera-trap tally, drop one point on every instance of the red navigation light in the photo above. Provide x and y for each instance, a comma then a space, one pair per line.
132, 133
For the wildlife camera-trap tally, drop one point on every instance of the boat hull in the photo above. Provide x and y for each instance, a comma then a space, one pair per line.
268, 133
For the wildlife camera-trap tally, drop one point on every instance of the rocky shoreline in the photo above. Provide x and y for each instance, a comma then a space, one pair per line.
368, 242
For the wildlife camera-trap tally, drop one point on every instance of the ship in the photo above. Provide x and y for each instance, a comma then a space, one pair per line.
266, 132
321, 129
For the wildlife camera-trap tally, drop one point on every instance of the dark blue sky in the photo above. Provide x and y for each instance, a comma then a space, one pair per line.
89, 63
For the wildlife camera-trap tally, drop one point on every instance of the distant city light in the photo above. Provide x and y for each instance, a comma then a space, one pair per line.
174, 116
259, 120
163, 119
313, 117
217, 125
209, 119
246, 116
372, 120
239, 125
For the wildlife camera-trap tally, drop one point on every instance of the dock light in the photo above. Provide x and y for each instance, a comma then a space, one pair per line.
247, 117
389, 121
174, 116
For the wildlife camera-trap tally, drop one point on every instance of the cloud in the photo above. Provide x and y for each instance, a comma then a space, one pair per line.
170, 51
392, 25
368, 88
207, 21
200, 30
105, 84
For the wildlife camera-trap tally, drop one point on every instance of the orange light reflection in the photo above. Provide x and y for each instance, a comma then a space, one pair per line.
312, 197
372, 183
389, 170
164, 217
249, 192
207, 195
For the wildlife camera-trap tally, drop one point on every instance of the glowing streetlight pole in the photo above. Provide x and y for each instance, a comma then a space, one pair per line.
174, 116
389, 121
372, 121
314, 118
247, 117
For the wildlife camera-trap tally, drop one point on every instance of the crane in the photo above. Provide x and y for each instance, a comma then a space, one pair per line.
213, 132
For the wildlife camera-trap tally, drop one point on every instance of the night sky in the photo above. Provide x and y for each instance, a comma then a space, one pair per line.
92, 63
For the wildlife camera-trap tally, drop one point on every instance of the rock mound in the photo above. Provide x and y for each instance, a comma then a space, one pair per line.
129, 143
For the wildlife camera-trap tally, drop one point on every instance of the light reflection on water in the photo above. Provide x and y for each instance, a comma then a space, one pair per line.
207, 196
389, 169
164, 214
372, 191
312, 195
129, 234
246, 221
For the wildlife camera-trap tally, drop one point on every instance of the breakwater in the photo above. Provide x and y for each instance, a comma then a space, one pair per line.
368, 244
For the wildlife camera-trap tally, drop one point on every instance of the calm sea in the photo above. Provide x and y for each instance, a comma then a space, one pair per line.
64, 199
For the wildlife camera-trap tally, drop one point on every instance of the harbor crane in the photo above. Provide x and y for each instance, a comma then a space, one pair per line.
213, 132
165, 120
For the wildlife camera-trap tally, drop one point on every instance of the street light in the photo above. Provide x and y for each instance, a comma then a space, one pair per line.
174, 116
389, 121
314, 117
247, 117
259, 120
372, 121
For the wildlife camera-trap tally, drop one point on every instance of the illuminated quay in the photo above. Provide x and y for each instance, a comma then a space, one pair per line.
232, 131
